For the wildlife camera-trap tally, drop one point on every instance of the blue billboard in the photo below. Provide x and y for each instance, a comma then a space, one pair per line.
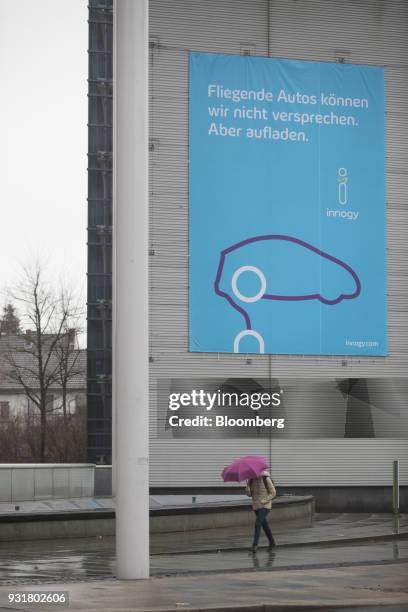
286, 207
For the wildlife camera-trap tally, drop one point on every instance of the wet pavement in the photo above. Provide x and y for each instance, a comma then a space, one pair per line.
341, 559
95, 559
359, 587
332, 540
324, 528
282, 558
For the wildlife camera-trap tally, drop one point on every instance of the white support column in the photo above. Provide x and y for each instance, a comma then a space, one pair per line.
130, 301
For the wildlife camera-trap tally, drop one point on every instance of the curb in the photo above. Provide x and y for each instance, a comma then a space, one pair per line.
369, 538
270, 607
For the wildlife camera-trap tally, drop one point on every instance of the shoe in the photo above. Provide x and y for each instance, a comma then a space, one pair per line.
272, 545
254, 549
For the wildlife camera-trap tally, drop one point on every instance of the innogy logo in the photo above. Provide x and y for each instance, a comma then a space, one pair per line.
342, 180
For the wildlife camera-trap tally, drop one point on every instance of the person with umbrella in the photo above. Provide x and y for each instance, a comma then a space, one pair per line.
260, 487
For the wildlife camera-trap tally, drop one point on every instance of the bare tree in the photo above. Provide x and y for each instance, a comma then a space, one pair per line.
19, 439
67, 351
44, 358
66, 442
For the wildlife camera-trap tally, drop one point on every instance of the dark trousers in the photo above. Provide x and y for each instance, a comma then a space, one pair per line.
261, 521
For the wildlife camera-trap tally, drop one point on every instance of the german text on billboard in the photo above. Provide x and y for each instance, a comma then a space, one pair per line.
286, 207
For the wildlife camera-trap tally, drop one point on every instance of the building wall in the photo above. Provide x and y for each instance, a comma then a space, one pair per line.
20, 404
99, 298
357, 31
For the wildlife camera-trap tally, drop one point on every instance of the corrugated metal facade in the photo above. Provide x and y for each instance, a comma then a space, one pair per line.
99, 298
357, 31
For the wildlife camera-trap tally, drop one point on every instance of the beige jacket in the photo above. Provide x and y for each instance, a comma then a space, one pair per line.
262, 495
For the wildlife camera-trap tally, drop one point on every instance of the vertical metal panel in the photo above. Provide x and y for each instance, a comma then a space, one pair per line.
22, 484
99, 298
6, 477
43, 488
359, 31
60, 483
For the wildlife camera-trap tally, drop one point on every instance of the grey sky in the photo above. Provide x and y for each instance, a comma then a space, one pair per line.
43, 72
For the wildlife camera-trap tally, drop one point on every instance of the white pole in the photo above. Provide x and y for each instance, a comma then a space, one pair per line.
130, 302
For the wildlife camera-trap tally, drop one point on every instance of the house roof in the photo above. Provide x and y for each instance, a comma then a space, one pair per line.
20, 351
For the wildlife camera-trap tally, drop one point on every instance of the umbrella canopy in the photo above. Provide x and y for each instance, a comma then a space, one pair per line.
244, 468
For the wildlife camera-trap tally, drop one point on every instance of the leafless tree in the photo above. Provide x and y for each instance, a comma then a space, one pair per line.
66, 352
19, 439
67, 441
46, 357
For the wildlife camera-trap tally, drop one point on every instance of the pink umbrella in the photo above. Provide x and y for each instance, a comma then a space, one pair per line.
244, 468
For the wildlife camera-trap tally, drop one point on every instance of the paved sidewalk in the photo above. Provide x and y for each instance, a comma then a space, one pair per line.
318, 589
358, 559
324, 529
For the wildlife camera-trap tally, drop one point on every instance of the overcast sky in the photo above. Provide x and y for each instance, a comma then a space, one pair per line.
43, 72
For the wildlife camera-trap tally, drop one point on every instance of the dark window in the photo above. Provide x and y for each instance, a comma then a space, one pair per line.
4, 411
49, 402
